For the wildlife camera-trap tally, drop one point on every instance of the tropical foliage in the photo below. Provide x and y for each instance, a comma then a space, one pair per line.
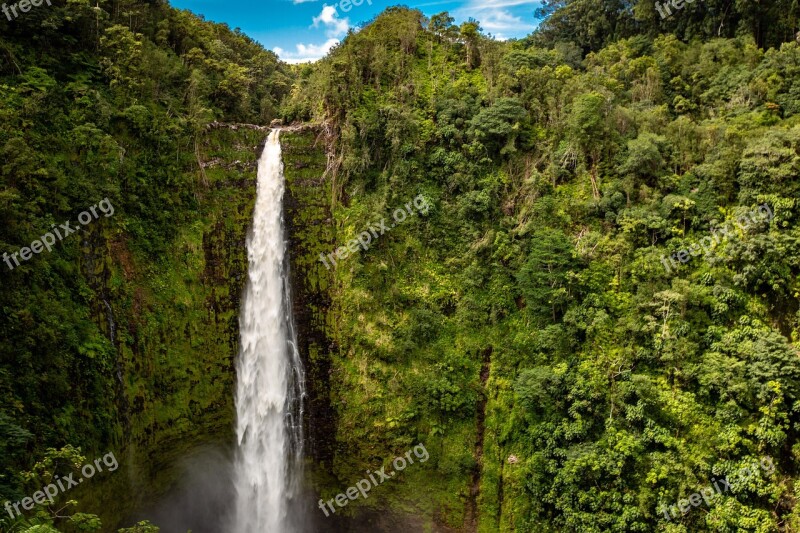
525, 329
530, 312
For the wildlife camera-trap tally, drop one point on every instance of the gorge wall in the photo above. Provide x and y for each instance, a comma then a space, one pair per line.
176, 333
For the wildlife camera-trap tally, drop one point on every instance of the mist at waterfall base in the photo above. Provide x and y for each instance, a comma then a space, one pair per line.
204, 498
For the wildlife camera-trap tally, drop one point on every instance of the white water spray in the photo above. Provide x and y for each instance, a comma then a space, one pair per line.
271, 383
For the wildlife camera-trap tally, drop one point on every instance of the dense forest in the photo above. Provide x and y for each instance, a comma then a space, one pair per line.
595, 319
106, 342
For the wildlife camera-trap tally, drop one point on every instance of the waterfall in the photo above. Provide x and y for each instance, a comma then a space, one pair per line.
271, 383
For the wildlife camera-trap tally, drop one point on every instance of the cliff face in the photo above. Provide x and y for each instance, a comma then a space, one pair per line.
323, 301
311, 232
176, 330
174, 326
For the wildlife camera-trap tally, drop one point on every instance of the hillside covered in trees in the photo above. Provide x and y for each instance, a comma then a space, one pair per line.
527, 328
596, 319
122, 337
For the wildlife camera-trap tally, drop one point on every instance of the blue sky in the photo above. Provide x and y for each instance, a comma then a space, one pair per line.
303, 30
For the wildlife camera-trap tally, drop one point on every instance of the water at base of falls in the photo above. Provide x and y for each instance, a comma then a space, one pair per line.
271, 383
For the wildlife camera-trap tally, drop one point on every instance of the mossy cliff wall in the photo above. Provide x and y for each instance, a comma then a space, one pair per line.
311, 232
175, 331
350, 418
176, 335
176, 325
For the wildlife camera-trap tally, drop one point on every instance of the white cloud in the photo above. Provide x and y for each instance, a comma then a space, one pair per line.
499, 23
329, 17
335, 28
498, 4
496, 19
306, 52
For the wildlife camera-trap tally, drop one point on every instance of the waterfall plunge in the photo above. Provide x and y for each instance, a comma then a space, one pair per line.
271, 384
